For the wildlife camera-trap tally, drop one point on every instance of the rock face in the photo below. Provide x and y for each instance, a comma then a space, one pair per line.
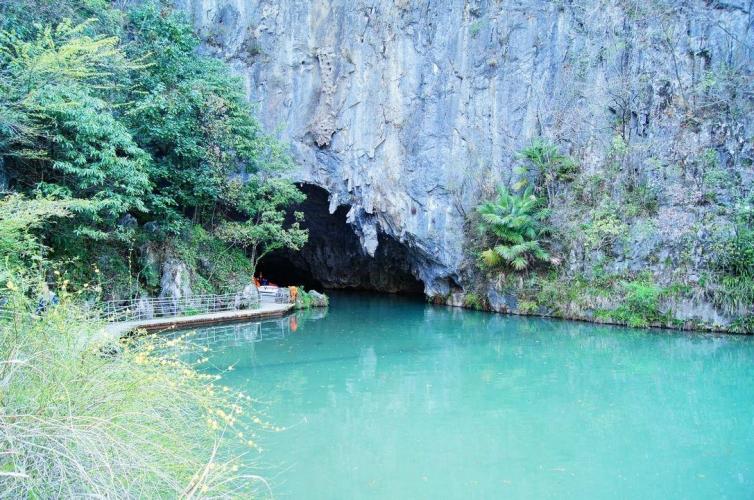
175, 284
409, 113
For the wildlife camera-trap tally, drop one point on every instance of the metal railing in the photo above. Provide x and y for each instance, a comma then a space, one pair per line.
166, 307
278, 295
151, 307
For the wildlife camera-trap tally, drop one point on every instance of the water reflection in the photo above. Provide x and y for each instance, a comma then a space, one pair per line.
390, 398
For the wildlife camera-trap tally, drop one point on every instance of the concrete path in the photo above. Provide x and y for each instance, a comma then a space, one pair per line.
264, 311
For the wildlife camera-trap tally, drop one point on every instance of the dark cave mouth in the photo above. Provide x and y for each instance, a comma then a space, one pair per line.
280, 270
333, 257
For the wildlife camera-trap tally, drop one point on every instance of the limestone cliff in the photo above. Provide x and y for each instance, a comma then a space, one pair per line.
410, 112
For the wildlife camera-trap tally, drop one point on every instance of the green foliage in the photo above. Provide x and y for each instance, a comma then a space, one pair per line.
218, 267
635, 301
643, 199
25, 16
528, 306
515, 224
638, 298
619, 147
191, 115
641, 303
106, 124
59, 135
565, 295
304, 299
588, 189
604, 228
19, 218
87, 416
473, 301
744, 324
307, 300
548, 165
735, 262
117, 113
737, 252
263, 203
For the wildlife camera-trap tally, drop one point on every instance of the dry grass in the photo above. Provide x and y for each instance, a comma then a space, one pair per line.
80, 417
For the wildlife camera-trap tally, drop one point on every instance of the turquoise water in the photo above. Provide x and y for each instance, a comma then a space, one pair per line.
386, 397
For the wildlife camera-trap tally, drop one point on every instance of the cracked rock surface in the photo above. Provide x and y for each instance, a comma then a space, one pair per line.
410, 112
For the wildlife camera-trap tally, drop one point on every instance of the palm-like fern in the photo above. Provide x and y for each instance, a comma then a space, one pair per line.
514, 221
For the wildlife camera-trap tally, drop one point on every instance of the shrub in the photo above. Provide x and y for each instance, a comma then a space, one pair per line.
515, 224
473, 301
304, 300
19, 217
82, 415
735, 262
550, 166
737, 253
643, 199
641, 303
220, 268
604, 228
744, 324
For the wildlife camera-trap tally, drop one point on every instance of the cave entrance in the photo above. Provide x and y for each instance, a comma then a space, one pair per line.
280, 269
333, 257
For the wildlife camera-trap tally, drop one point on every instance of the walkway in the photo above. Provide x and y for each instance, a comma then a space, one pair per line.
264, 311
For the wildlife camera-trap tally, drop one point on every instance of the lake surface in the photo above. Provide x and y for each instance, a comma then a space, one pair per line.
388, 397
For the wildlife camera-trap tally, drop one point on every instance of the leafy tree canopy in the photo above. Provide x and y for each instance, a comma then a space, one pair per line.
263, 203
115, 112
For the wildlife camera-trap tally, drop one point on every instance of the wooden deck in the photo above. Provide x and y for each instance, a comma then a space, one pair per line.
264, 311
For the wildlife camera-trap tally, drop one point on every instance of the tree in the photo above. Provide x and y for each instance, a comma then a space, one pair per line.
122, 115
19, 217
264, 202
57, 133
191, 115
515, 224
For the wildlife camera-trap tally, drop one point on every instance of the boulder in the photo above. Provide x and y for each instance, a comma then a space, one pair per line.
318, 299
175, 284
248, 297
